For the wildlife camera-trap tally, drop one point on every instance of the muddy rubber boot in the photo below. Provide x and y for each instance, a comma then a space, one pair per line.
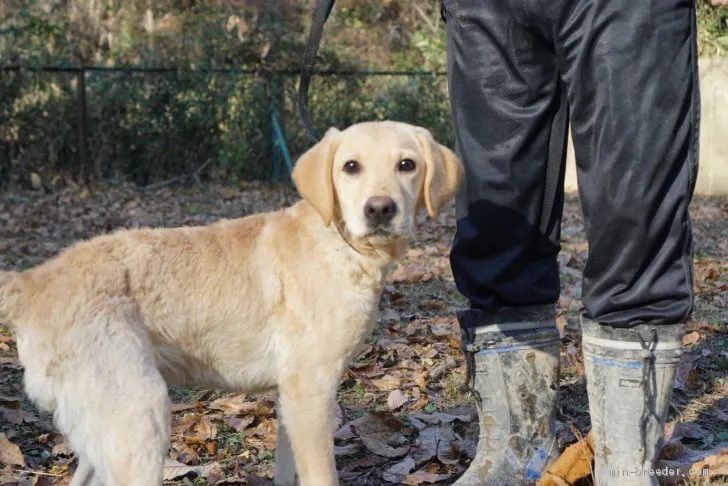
630, 375
513, 372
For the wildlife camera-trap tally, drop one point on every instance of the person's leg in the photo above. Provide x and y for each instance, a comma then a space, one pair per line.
510, 116
631, 74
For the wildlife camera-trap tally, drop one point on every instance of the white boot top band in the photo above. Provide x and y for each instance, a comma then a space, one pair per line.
609, 343
515, 326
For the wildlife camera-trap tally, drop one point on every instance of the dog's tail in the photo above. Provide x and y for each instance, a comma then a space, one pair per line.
11, 286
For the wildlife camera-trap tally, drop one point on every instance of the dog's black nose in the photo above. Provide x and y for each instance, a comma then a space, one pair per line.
380, 210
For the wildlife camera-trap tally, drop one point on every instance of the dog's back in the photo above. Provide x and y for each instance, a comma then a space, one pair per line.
179, 282
183, 264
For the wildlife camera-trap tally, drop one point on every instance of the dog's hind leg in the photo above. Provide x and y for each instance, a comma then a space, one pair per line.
112, 400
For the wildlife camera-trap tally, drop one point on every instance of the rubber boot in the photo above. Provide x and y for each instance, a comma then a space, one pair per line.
513, 363
630, 375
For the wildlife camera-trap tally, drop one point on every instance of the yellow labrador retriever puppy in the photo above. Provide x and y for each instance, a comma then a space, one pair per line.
275, 301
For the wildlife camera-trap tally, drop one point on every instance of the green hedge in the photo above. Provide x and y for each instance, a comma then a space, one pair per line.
147, 127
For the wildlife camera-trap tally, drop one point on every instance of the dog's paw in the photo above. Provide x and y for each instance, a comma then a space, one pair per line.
291, 481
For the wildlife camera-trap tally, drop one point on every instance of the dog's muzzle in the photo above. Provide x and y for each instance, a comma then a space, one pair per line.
379, 211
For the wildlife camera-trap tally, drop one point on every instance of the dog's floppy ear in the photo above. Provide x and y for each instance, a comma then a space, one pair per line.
443, 172
313, 175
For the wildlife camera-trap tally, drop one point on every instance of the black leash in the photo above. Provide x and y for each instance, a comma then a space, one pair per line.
320, 15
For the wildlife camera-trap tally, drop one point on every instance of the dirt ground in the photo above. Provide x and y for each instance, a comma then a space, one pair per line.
403, 415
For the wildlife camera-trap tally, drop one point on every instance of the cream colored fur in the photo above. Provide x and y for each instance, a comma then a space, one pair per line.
270, 302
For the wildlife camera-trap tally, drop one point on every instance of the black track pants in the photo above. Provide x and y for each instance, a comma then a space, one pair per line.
623, 73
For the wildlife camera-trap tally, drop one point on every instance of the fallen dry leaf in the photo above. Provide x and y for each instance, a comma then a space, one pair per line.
715, 465
687, 378
206, 429
62, 449
176, 470
438, 371
386, 444
573, 464
10, 402
10, 477
691, 461
215, 475
186, 454
436, 441
396, 399
389, 314
18, 416
411, 274
378, 432
387, 382
423, 477
397, 472
368, 461
233, 405
239, 423
348, 430
347, 450
438, 418
242, 480
677, 430
561, 324
439, 331
10, 453
182, 407
691, 338
432, 304
263, 436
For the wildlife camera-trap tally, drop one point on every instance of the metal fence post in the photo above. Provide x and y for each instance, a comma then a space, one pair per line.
82, 142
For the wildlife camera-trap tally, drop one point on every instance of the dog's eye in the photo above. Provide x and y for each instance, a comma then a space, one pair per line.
407, 165
352, 167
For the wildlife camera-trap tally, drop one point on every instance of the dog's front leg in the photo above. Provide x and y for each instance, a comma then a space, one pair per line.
306, 395
285, 471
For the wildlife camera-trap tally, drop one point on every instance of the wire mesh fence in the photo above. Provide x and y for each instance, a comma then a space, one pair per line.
146, 90
149, 124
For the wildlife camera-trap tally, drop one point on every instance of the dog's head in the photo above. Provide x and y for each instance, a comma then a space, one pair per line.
374, 176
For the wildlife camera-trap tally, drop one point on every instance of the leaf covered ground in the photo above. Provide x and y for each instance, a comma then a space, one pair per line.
403, 416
